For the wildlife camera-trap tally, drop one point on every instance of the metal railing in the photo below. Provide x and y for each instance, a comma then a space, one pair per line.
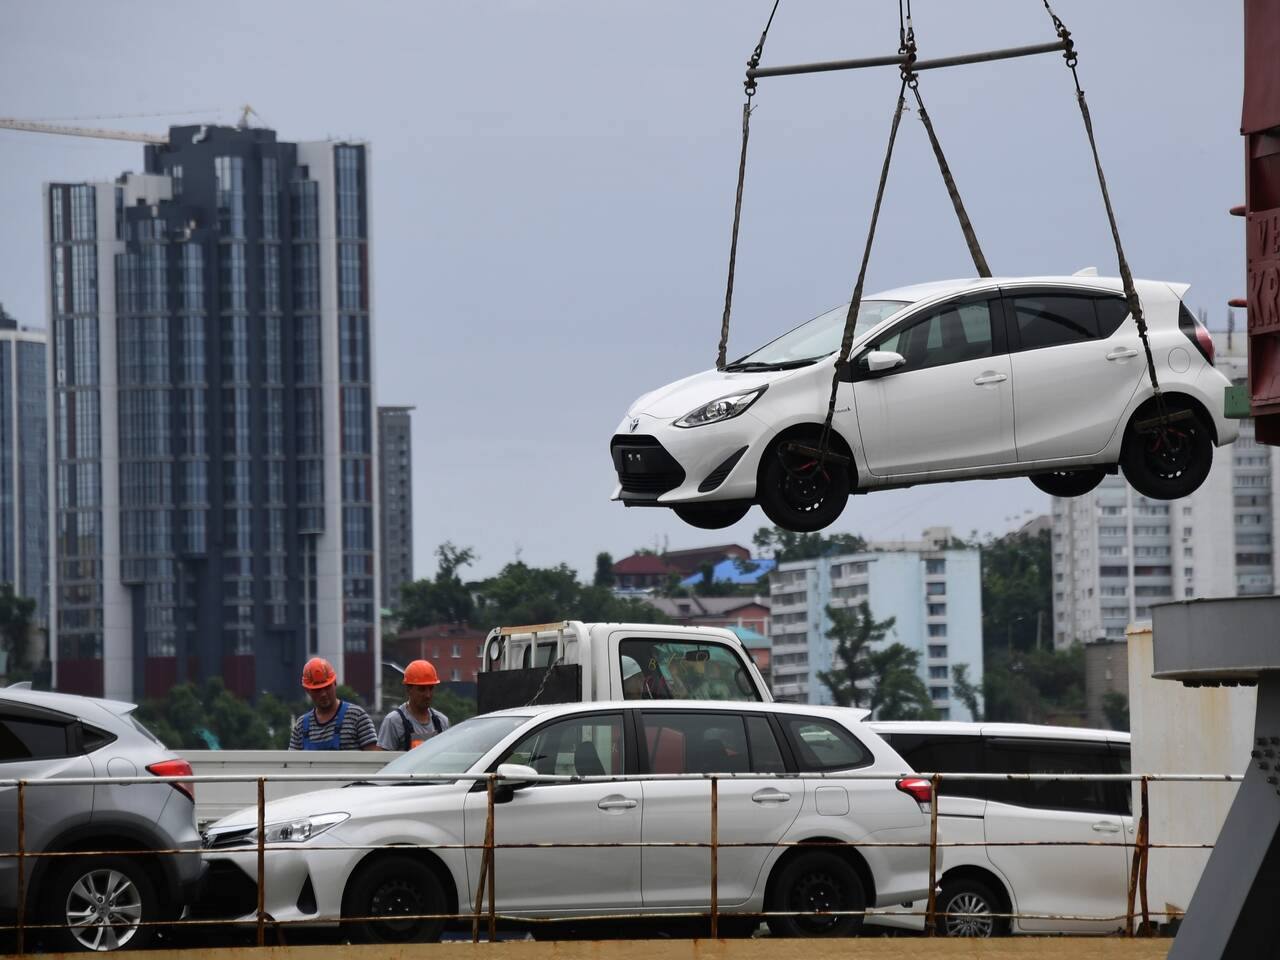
486, 914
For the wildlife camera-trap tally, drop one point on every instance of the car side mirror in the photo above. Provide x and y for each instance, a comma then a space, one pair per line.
511, 777
878, 361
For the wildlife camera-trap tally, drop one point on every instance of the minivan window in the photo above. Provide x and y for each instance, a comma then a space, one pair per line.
22, 739
1012, 755
821, 744
682, 670
933, 753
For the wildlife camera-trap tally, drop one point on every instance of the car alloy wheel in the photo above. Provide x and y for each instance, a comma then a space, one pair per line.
969, 915
103, 910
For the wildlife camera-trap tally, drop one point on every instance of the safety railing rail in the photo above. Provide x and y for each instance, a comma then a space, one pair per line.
483, 903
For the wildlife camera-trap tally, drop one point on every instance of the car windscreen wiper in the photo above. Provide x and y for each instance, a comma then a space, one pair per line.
760, 365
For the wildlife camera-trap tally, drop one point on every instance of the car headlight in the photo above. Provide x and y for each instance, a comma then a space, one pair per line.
300, 830
725, 408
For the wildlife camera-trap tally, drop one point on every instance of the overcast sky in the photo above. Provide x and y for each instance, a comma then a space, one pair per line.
552, 189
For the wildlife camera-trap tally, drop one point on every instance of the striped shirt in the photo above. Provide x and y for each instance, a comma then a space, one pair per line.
357, 730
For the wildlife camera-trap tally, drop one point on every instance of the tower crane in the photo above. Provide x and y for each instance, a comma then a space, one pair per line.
66, 130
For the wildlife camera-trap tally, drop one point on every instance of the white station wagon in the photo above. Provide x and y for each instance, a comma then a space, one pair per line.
1043, 377
319, 865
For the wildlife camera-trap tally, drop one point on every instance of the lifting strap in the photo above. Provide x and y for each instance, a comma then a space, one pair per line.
1126, 276
750, 86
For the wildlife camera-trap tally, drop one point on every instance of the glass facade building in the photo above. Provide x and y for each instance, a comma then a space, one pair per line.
213, 421
395, 471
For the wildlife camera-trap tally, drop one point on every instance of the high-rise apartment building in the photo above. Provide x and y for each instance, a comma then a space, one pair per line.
24, 477
931, 589
395, 505
213, 481
1115, 553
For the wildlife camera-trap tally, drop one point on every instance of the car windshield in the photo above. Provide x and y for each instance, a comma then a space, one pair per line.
457, 749
820, 336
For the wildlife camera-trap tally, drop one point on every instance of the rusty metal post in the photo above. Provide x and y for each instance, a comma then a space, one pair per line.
262, 859
715, 858
1144, 838
931, 908
488, 842
22, 865
1134, 869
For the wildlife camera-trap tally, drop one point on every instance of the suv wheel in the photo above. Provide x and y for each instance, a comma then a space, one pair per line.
1170, 462
1068, 483
814, 882
714, 515
967, 908
401, 889
102, 903
797, 493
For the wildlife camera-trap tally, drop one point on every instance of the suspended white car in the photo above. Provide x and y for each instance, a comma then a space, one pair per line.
1044, 377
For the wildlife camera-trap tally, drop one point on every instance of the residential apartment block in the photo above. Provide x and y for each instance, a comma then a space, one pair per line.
24, 468
213, 485
395, 503
932, 589
1115, 553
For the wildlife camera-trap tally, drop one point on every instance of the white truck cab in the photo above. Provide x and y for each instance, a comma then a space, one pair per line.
572, 661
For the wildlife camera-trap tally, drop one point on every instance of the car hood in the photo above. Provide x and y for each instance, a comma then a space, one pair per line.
338, 800
676, 399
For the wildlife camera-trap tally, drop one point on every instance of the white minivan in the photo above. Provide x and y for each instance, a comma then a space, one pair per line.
1053, 889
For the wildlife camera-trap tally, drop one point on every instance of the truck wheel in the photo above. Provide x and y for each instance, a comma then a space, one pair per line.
401, 890
713, 516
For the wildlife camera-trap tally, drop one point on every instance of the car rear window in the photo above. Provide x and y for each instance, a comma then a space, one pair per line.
821, 744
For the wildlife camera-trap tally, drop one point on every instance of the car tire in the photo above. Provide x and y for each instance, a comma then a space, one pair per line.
713, 516
101, 903
816, 881
796, 495
1068, 483
973, 897
1170, 463
392, 886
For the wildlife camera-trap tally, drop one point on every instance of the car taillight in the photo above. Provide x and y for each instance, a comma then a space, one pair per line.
918, 788
1194, 331
175, 768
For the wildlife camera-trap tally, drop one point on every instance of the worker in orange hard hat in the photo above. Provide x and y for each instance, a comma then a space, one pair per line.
415, 720
332, 724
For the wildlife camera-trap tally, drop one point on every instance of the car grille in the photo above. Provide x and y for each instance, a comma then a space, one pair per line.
645, 469
231, 838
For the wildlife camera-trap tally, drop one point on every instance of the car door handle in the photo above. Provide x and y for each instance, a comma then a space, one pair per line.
990, 378
617, 803
1104, 827
1122, 353
770, 795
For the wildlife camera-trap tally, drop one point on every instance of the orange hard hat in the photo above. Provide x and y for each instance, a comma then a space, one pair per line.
420, 673
318, 674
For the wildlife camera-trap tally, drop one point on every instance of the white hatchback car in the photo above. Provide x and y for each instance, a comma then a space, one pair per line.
320, 866
965, 379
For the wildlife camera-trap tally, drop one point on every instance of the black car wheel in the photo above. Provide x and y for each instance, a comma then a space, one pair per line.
101, 904
811, 884
1068, 483
713, 516
967, 908
1166, 462
799, 491
403, 894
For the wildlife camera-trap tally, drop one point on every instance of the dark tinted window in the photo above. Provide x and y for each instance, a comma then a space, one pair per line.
951, 334
821, 744
930, 753
91, 738
31, 740
1112, 311
695, 742
1055, 756
1050, 320
766, 756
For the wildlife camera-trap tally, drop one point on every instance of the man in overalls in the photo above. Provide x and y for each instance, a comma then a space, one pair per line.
415, 720
332, 724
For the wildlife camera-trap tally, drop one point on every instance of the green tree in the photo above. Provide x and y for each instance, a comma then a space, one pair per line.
16, 612
1034, 686
783, 545
1115, 706
897, 692
966, 691
604, 570
524, 594
444, 599
454, 706
1017, 592
854, 631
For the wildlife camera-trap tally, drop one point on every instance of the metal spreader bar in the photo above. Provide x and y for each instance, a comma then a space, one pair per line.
904, 62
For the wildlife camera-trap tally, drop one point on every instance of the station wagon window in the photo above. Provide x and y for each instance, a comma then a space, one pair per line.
696, 742
1009, 755
683, 670
821, 744
951, 333
581, 746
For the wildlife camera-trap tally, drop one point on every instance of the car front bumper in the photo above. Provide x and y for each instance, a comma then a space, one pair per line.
659, 464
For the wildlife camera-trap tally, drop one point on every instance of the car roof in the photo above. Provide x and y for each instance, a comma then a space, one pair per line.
958, 728
65, 702
846, 714
920, 292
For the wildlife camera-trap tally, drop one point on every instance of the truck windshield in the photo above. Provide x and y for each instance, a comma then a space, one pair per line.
458, 749
655, 669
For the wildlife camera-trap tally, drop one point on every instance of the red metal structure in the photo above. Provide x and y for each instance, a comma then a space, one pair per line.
1260, 125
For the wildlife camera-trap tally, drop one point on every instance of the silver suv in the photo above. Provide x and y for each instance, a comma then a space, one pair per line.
98, 902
